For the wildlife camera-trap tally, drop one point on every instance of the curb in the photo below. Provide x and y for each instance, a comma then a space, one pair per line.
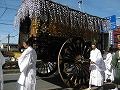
10, 71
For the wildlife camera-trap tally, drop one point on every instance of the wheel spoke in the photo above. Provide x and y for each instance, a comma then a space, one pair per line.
46, 68
73, 71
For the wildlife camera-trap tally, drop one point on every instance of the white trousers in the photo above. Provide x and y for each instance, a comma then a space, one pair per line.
96, 78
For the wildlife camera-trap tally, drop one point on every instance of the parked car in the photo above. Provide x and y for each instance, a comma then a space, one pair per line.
7, 58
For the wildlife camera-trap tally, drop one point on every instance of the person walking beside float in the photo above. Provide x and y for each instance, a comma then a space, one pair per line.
109, 72
27, 65
116, 65
97, 67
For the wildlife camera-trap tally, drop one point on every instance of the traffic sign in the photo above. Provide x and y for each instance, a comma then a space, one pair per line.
112, 20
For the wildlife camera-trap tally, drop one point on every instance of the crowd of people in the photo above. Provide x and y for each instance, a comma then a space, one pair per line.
104, 70
101, 70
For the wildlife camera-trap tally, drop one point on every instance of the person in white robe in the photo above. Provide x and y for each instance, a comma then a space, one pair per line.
27, 65
2, 61
97, 67
109, 72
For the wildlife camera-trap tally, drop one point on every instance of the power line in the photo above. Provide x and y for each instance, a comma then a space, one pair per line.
3, 38
8, 8
8, 37
6, 24
98, 8
7, 20
14, 35
9, 5
4, 10
5, 3
3, 13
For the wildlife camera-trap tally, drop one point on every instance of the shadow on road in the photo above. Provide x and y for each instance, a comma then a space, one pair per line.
57, 81
108, 86
9, 81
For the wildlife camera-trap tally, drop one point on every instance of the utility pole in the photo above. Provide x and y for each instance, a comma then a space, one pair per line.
8, 42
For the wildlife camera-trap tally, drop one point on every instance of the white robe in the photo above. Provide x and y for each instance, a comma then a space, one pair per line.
109, 72
2, 61
97, 69
27, 65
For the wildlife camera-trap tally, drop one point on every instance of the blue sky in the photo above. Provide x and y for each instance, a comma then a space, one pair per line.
8, 10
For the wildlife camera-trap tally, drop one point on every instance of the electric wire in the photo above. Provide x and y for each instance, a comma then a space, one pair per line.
6, 24
99, 9
4, 10
9, 5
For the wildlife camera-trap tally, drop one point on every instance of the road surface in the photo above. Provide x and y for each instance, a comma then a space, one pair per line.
48, 83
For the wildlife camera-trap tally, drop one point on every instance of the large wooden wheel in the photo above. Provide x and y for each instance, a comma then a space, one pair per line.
45, 69
73, 62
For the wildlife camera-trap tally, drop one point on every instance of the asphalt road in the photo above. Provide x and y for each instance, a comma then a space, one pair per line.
48, 83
